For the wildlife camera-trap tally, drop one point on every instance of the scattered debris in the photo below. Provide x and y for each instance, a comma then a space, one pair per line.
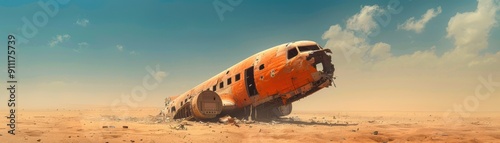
372, 121
312, 121
229, 120
185, 123
39, 140
225, 119
375, 133
157, 119
125, 127
274, 122
476, 123
179, 127
247, 121
294, 118
104, 126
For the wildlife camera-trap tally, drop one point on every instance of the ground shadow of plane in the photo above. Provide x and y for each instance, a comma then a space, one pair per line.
313, 123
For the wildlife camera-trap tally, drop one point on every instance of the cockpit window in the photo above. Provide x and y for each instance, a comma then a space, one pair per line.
292, 53
308, 48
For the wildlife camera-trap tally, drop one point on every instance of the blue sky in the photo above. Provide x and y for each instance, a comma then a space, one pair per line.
188, 39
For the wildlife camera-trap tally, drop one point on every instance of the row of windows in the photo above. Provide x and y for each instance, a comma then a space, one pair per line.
237, 77
291, 53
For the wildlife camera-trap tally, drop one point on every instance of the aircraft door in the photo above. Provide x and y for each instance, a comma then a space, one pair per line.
250, 82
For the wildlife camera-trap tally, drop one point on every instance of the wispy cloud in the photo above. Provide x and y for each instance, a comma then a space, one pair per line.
82, 22
81, 46
356, 54
119, 47
364, 20
59, 39
424, 73
133, 53
418, 25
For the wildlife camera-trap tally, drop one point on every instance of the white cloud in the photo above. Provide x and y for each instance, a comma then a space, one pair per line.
59, 39
119, 47
381, 51
346, 46
82, 22
81, 46
418, 25
132, 53
422, 77
364, 21
470, 30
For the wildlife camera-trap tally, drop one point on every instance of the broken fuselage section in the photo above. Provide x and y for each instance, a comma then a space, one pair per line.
266, 83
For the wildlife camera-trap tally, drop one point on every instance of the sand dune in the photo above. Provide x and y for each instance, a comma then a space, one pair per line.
141, 125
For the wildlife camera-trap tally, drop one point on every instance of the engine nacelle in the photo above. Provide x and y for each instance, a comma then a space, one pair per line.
282, 110
207, 105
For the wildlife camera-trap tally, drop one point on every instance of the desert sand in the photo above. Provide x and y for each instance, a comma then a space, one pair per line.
107, 125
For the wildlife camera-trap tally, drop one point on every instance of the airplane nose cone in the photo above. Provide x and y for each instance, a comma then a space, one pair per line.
321, 57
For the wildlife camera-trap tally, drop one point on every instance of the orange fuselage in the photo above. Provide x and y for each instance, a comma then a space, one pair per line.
282, 72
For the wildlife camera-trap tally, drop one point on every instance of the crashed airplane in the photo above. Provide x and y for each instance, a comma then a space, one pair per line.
261, 86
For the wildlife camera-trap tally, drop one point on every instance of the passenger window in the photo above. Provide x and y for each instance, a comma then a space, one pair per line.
292, 53
221, 85
237, 77
229, 81
214, 88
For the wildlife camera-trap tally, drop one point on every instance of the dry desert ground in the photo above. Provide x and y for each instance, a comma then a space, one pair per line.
142, 125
